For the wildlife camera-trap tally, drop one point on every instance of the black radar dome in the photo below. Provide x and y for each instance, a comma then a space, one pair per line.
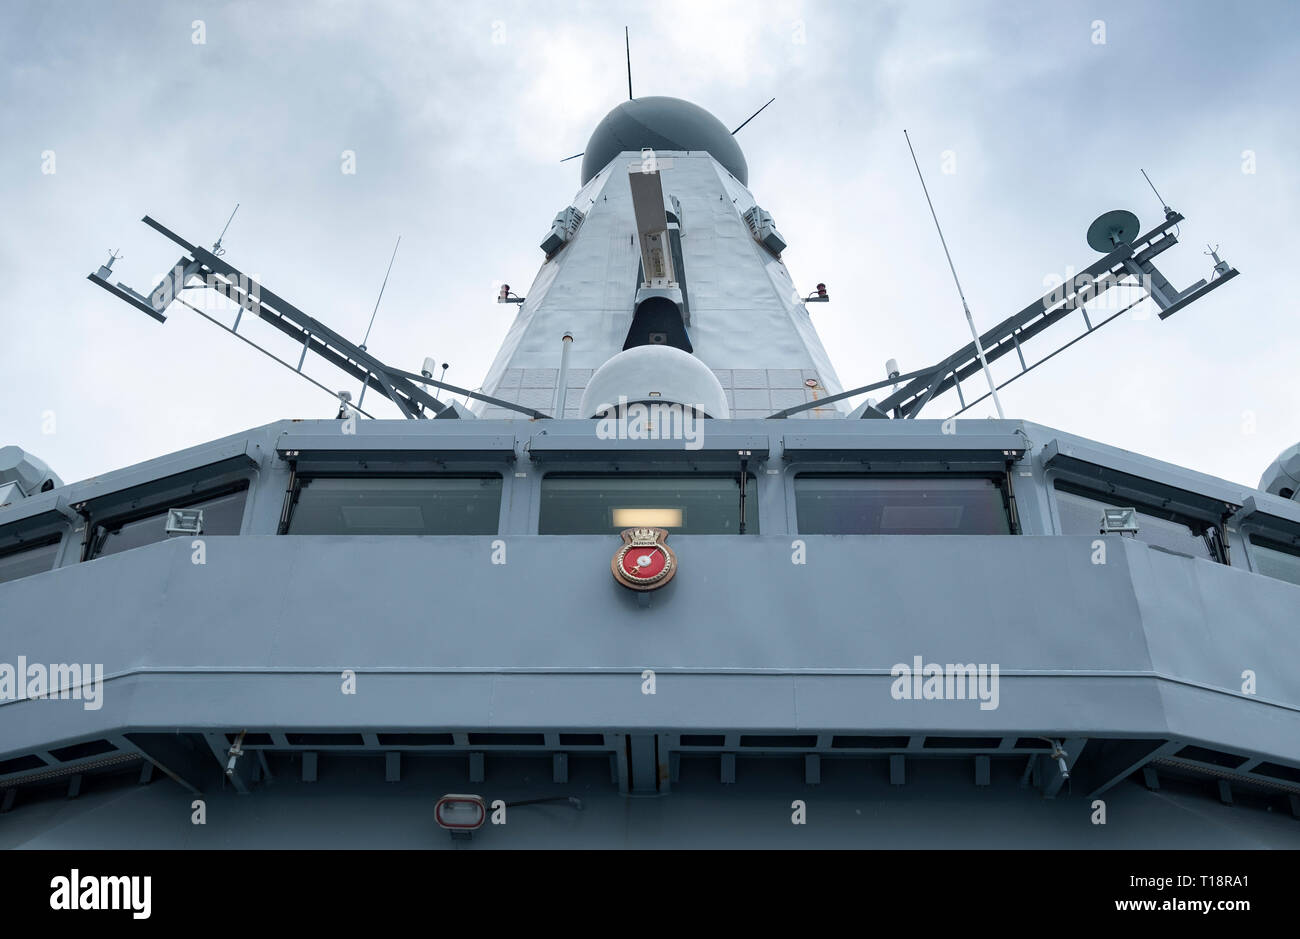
661, 124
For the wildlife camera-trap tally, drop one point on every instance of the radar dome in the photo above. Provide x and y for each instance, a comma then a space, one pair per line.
661, 124
1282, 478
655, 374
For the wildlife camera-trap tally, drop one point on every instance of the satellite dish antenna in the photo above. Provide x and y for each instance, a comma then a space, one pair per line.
1113, 229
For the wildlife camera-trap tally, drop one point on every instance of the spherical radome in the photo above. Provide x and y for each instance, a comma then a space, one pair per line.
655, 374
661, 124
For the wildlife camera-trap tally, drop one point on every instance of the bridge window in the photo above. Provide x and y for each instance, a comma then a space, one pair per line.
28, 559
223, 514
698, 504
397, 505
1080, 512
843, 504
1273, 559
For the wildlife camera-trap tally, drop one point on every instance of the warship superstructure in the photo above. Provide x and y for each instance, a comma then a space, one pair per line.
658, 583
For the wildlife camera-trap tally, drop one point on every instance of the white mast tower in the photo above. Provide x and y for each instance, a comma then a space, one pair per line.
668, 275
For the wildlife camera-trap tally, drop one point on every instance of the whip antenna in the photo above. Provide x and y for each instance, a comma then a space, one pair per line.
366, 385
1163, 203
216, 247
751, 117
381, 292
970, 321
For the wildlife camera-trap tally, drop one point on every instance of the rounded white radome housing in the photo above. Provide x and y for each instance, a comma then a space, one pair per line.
655, 374
23, 475
1282, 478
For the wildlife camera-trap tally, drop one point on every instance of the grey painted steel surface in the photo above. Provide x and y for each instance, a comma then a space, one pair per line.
1148, 647
522, 666
1148, 644
848, 809
746, 316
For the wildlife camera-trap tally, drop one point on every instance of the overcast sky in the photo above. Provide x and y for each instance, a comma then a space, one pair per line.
458, 115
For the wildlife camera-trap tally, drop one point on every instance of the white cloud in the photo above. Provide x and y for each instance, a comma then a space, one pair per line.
458, 140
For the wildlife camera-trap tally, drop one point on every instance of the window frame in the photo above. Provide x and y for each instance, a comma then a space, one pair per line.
54, 539
92, 541
1003, 483
297, 481
1267, 540
752, 502
1219, 552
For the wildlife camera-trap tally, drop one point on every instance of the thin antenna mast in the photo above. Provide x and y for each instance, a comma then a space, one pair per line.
627, 44
751, 117
216, 248
970, 321
381, 292
365, 385
1163, 203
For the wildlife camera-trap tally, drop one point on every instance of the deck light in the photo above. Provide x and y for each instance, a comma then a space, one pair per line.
1122, 520
460, 814
184, 522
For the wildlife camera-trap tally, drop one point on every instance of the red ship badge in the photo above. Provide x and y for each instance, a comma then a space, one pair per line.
644, 562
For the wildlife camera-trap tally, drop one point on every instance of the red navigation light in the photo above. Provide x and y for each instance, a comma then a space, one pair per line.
821, 292
505, 292
460, 812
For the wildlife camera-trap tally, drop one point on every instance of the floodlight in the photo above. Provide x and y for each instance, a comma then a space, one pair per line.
1122, 520
184, 522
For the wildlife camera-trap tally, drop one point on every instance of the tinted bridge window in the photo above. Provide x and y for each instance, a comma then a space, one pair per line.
690, 505
840, 504
380, 505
